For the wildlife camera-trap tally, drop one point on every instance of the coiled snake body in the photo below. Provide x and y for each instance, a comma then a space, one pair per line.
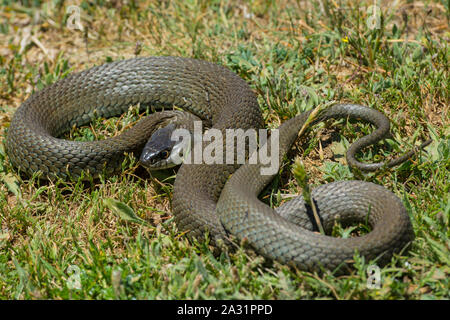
203, 200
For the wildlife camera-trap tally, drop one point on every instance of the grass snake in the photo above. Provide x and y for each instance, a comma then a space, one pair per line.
205, 198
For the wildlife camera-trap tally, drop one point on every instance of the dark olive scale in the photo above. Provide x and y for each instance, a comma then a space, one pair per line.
221, 98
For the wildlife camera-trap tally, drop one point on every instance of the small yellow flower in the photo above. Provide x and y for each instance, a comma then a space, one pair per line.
345, 39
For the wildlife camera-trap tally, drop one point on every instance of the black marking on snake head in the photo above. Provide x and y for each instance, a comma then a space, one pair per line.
158, 147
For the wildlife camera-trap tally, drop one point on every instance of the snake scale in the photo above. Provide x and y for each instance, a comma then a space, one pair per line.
205, 198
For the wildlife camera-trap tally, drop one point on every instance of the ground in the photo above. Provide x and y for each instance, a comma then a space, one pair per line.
115, 237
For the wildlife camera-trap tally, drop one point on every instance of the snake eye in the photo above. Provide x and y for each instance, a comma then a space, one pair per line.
165, 154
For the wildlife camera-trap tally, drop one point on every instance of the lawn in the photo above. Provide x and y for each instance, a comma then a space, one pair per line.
115, 238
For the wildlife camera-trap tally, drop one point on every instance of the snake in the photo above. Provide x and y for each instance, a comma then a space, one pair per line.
217, 201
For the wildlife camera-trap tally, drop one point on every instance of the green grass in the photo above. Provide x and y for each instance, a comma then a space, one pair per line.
116, 235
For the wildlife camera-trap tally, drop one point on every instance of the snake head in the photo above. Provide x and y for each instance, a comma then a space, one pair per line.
161, 151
